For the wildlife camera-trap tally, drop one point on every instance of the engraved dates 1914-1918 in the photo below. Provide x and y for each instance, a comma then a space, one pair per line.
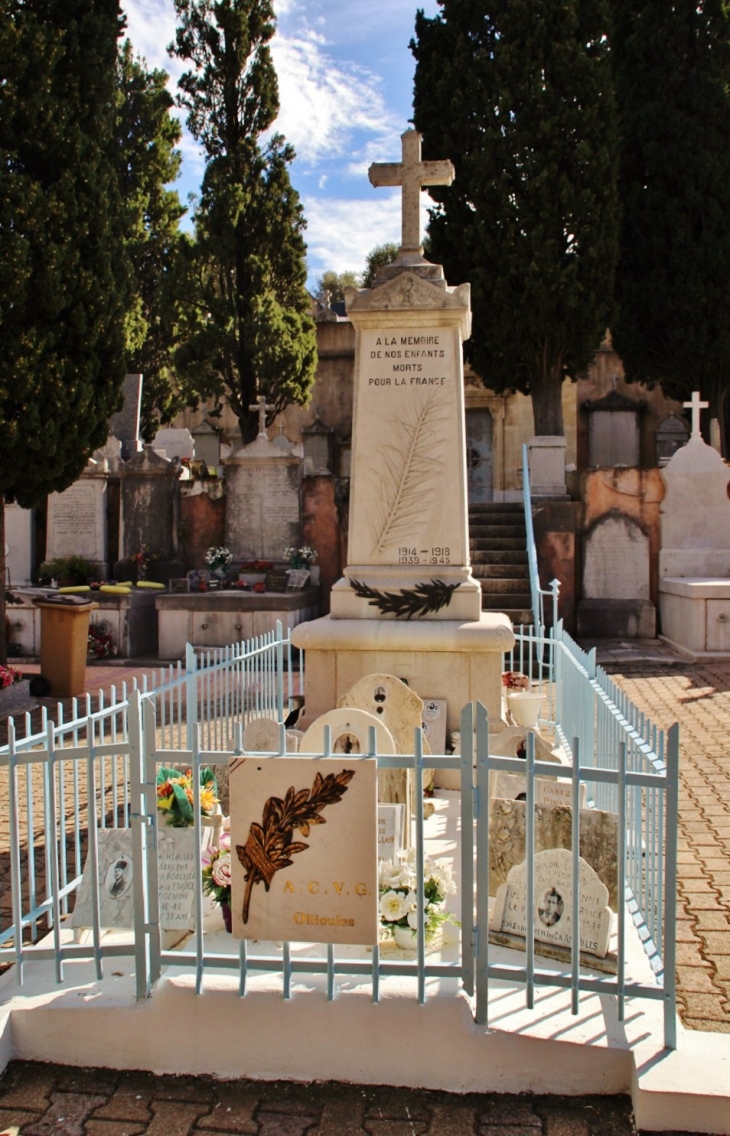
437, 555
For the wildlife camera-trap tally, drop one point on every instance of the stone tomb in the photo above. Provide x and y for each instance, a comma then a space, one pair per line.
408, 604
262, 501
150, 512
553, 911
694, 561
553, 829
323, 888
616, 581
76, 524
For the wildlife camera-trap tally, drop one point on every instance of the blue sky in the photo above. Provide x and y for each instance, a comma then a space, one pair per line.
345, 85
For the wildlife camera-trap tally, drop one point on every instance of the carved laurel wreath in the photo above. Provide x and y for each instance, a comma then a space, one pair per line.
421, 600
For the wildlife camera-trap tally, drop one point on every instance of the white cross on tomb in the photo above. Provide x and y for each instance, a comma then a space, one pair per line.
696, 406
260, 408
411, 173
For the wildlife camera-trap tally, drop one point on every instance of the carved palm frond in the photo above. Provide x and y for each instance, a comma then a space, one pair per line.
408, 471
421, 600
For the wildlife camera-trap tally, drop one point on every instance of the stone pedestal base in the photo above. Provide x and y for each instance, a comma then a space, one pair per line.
460, 662
695, 615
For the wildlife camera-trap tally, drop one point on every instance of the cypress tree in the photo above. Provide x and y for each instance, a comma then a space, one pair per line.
672, 73
146, 137
518, 94
63, 277
247, 325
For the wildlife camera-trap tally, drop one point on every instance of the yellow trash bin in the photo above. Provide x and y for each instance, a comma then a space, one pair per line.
64, 642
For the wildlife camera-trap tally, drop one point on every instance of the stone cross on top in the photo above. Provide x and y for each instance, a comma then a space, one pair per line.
411, 173
260, 408
696, 406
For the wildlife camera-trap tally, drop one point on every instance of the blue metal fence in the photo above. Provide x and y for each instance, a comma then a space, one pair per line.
98, 769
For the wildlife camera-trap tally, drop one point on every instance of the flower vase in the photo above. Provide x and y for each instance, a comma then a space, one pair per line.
524, 706
227, 917
405, 938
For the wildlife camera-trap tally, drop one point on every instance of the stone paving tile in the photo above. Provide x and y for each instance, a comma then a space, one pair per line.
698, 697
113, 1128
66, 1115
233, 1110
174, 1117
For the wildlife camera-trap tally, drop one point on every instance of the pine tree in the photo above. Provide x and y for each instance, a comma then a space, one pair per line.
518, 94
247, 324
672, 73
63, 278
147, 136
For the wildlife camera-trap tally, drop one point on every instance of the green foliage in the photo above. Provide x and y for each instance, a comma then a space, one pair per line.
63, 271
246, 329
66, 571
672, 74
378, 258
146, 136
334, 284
518, 94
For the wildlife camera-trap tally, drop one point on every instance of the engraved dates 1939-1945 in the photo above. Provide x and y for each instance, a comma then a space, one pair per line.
436, 555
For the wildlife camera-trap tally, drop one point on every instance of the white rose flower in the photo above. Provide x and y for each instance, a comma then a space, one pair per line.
413, 920
392, 906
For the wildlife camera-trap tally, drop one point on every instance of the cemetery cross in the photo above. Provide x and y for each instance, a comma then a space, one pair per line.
696, 405
411, 173
260, 408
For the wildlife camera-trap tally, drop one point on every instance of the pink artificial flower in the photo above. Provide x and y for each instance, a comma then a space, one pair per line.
222, 870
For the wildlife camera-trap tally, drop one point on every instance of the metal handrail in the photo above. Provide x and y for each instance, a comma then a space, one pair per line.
537, 592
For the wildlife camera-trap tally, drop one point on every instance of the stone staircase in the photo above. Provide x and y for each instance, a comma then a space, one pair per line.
498, 544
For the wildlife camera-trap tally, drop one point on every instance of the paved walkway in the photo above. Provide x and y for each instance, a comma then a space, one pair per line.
668, 689
53, 1100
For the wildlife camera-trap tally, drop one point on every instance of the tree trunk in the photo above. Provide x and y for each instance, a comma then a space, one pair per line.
547, 404
3, 635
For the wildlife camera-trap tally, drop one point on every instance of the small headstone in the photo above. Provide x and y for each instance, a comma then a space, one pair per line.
553, 908
391, 832
276, 581
174, 443
349, 733
207, 445
180, 584
111, 453
433, 724
512, 742
261, 735
548, 791
320, 881
553, 829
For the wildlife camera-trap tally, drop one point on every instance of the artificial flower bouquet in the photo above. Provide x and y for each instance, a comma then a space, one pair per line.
175, 795
398, 884
216, 862
300, 557
217, 557
8, 676
514, 680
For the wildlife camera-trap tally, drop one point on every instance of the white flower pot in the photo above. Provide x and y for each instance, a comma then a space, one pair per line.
405, 938
524, 706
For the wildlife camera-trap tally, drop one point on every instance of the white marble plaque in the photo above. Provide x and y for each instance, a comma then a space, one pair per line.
434, 724
616, 561
77, 520
304, 850
553, 903
115, 878
410, 434
262, 513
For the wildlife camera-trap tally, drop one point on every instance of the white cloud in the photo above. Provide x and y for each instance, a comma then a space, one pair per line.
325, 102
151, 27
340, 233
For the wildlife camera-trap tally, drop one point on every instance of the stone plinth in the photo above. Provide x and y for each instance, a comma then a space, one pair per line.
695, 615
456, 661
215, 619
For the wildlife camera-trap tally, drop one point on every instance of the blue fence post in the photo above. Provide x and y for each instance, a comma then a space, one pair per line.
670, 890
139, 849
191, 693
482, 818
